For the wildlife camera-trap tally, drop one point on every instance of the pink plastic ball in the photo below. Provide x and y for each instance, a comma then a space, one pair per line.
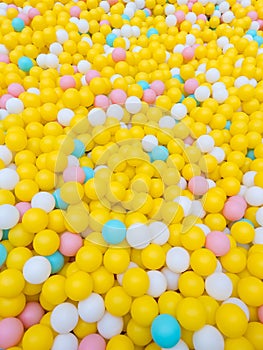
92, 73
4, 58
190, 6
202, 17
15, 89
22, 208
24, 17
4, 99
158, 86
11, 332
149, 96
118, 54
33, 12
260, 22
238, 199
67, 82
190, 85
217, 242
74, 173
112, 2
32, 314
253, 15
180, 15
188, 140
101, 101
70, 243
104, 21
75, 11
188, 53
92, 342
198, 185
118, 96
233, 210
260, 313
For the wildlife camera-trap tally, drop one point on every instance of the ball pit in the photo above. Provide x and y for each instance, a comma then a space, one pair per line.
131, 175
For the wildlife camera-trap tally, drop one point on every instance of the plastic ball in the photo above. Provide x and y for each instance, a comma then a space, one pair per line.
32, 314
65, 342
11, 332
64, 318
231, 320
136, 282
37, 335
25, 63
92, 308
138, 236
219, 286
114, 232
37, 270
191, 314
208, 337
110, 325
178, 259
92, 341
9, 216
166, 331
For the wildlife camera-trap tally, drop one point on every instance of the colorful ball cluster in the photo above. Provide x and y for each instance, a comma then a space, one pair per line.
131, 175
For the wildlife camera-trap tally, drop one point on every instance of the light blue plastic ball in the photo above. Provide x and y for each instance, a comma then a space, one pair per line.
89, 173
59, 203
18, 24
166, 331
152, 31
114, 231
56, 261
79, 148
3, 254
25, 63
160, 153
110, 39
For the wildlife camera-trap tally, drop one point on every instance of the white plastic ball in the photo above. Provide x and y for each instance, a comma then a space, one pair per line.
177, 259
74, 20
212, 75
42, 60
172, 278
65, 342
220, 95
115, 111
121, 275
56, 48
96, 116
133, 104
92, 308
126, 31
129, 12
197, 209
169, 9
110, 325
3, 113
83, 66
190, 39
259, 216
248, 178
72, 161
83, 26
87, 40
191, 17
228, 17
240, 81
182, 183
149, 142
34, 90
181, 345
64, 116
219, 154
254, 196
258, 238
3, 50
227, 47
202, 93
159, 232
219, 267
14, 106
238, 64
208, 338
105, 5
224, 6
240, 304
62, 35
136, 31
9, 216
171, 20
140, 4
64, 318
178, 111
8, 178
138, 236
52, 60
205, 143
218, 286
158, 283
185, 203
222, 41
43, 200
167, 122
37, 270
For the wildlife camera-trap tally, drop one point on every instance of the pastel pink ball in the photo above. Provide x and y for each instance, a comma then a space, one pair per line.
70, 243
33, 12
217, 242
67, 82
260, 313
188, 140
198, 185
74, 173
253, 15
92, 73
149, 96
104, 21
24, 17
238, 199
118, 96
4, 58
101, 101
112, 2
32, 314
118, 54
190, 5
180, 15
190, 85
260, 22
75, 11
233, 211
92, 342
202, 17
4, 99
15, 89
22, 208
11, 332
188, 53
158, 86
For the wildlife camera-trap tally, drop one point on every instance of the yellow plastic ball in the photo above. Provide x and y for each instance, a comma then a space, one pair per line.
103, 280
120, 342
53, 290
39, 336
203, 262
231, 320
35, 220
11, 282
243, 232
89, 258
191, 284
136, 282
191, 314
117, 301
250, 290
143, 310
78, 286
234, 261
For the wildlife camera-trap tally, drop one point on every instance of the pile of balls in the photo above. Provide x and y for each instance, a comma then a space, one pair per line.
131, 175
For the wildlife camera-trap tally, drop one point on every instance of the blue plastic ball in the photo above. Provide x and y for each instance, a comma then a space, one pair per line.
114, 231
79, 148
250, 154
144, 84
110, 39
166, 331
3, 254
228, 125
59, 203
56, 261
18, 24
178, 77
160, 153
89, 173
25, 63
152, 31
